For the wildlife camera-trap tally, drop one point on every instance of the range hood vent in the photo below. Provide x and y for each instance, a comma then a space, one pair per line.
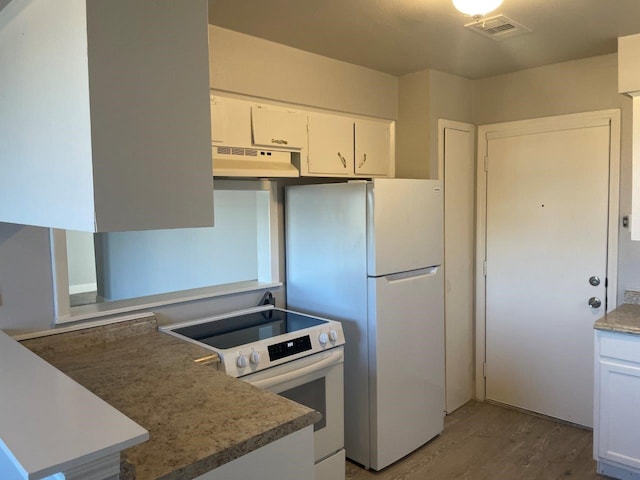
252, 162
499, 27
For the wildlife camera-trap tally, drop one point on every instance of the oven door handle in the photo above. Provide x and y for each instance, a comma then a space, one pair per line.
333, 359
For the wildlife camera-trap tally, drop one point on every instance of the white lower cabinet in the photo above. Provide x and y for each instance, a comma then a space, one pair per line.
616, 434
289, 458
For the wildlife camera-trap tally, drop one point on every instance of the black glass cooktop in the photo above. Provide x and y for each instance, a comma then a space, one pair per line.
251, 327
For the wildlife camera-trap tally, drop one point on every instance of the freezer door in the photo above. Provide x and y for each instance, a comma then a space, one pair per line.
406, 349
404, 225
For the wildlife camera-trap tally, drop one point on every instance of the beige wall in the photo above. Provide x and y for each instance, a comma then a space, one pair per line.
423, 98
450, 98
252, 66
577, 86
570, 87
412, 126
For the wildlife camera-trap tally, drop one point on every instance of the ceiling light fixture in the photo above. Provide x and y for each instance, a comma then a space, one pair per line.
476, 8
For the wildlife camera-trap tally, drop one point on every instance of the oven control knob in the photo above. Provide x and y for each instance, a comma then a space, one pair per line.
323, 338
241, 361
254, 358
333, 335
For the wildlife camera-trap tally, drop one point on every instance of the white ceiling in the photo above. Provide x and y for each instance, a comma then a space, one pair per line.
404, 36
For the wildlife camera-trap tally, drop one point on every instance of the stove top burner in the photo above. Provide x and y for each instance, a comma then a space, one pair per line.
240, 330
257, 339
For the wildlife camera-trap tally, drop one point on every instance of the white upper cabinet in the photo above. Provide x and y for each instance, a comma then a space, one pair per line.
373, 148
330, 151
629, 83
230, 122
322, 144
628, 64
278, 127
107, 127
341, 146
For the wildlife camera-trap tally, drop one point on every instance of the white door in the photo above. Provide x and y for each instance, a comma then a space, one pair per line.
406, 350
547, 206
457, 169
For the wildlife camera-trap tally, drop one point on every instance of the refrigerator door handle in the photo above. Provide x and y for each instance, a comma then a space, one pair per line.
422, 272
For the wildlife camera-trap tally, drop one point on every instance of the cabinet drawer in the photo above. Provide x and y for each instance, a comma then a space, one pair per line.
623, 346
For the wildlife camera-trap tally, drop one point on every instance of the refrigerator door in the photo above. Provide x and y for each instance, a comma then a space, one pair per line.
406, 348
404, 225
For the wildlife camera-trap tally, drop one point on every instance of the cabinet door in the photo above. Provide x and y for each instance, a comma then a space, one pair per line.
330, 145
288, 458
280, 128
618, 435
230, 122
373, 148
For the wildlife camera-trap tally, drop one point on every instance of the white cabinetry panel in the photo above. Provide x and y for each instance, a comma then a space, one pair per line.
618, 437
617, 404
330, 145
289, 458
628, 67
119, 137
230, 122
274, 127
323, 144
372, 148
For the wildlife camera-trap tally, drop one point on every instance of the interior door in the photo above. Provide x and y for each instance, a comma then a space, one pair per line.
458, 170
546, 256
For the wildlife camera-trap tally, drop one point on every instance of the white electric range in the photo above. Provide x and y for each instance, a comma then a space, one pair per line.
292, 354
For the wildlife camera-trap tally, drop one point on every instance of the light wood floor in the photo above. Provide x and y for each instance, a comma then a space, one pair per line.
487, 442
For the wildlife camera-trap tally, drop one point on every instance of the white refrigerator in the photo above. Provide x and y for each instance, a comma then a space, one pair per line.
369, 253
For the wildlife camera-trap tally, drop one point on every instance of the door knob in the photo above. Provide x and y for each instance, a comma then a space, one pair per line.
595, 302
594, 281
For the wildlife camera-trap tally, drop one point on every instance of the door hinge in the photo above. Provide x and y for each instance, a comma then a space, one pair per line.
484, 268
484, 369
486, 163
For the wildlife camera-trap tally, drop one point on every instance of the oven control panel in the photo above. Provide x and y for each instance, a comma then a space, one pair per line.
289, 347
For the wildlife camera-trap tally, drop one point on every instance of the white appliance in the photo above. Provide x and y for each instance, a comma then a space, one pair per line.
369, 254
294, 355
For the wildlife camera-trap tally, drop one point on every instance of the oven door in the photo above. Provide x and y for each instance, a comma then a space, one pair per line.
317, 382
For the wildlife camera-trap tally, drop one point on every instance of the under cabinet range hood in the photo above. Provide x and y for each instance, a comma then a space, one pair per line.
252, 162
249, 139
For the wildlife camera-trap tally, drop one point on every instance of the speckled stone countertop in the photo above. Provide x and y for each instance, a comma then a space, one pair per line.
624, 319
198, 418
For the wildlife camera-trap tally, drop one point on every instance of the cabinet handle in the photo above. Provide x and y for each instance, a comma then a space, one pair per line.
364, 159
343, 160
279, 142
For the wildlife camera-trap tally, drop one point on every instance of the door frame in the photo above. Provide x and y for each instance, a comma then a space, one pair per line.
539, 125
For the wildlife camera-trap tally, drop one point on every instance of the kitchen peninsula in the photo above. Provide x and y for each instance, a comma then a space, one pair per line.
198, 418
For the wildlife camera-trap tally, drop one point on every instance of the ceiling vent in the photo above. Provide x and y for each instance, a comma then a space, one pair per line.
498, 27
